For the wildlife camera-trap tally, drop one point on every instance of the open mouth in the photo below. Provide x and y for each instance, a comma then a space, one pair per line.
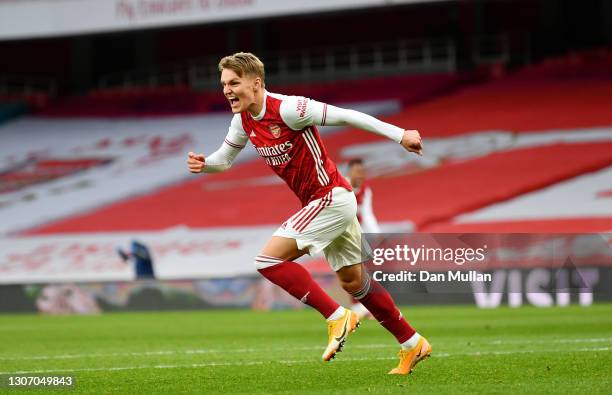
233, 101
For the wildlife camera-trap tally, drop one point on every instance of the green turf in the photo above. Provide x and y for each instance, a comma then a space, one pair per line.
556, 350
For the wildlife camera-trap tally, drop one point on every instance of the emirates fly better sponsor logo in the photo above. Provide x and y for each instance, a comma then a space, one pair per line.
275, 155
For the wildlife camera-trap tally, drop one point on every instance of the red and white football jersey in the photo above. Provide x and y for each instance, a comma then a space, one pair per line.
285, 136
365, 212
360, 195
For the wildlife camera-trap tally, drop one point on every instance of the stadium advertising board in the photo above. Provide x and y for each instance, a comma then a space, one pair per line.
488, 270
27, 19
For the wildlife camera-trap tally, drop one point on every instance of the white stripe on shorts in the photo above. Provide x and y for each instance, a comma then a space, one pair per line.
325, 202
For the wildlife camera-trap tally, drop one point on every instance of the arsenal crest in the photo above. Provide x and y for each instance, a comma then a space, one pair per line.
275, 130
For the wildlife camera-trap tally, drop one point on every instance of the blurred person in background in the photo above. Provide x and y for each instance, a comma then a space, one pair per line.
140, 256
357, 175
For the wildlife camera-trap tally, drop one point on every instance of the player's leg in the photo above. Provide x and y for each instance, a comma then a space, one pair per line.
312, 229
341, 254
276, 264
360, 309
356, 281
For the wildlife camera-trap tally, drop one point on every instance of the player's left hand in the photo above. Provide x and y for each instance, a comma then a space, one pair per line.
412, 142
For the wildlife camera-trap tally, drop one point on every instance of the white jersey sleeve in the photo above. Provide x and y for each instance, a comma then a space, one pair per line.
368, 219
299, 112
234, 142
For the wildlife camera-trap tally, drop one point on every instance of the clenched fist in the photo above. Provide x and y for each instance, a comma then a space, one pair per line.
195, 162
412, 142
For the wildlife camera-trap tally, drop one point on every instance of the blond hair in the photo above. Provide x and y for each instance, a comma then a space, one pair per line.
244, 63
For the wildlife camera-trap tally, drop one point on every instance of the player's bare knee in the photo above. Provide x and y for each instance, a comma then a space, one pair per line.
351, 285
350, 278
281, 248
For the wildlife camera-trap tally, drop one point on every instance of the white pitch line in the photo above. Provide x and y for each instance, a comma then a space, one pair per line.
301, 348
547, 341
287, 362
186, 352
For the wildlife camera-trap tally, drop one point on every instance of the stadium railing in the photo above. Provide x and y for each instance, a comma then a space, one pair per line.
328, 63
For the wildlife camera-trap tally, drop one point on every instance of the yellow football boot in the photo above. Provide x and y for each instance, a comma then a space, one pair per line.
409, 358
337, 332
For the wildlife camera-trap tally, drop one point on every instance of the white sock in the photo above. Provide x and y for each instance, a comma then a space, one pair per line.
359, 309
412, 342
336, 314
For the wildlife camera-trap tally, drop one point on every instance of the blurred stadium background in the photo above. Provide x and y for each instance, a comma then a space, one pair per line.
101, 100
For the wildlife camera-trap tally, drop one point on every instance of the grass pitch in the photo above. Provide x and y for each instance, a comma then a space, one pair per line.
556, 350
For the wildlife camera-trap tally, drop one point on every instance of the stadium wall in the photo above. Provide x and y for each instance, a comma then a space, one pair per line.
508, 289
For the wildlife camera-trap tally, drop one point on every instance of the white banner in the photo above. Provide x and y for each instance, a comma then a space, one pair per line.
179, 253
44, 18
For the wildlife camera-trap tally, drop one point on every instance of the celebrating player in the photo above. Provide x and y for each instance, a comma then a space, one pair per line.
283, 131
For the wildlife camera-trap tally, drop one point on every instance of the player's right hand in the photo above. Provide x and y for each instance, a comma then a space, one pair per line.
195, 162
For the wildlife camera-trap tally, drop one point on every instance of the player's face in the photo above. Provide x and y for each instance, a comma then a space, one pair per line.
239, 91
357, 175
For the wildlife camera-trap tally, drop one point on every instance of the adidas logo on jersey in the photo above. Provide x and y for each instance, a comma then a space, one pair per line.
252, 133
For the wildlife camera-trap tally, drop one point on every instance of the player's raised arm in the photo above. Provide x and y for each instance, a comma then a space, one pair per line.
300, 112
222, 158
